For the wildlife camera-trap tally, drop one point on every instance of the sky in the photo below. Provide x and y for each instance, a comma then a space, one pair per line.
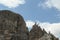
45, 12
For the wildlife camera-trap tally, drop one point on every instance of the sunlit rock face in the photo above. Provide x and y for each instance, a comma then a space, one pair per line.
12, 26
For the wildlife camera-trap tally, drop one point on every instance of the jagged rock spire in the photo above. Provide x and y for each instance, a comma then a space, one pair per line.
44, 31
36, 32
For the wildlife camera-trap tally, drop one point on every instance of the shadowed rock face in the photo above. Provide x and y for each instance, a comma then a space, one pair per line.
12, 26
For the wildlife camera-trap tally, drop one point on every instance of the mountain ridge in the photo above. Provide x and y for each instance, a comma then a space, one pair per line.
13, 27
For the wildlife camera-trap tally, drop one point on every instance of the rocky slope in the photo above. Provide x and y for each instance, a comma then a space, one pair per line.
37, 33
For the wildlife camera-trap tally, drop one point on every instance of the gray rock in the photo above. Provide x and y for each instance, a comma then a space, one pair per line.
37, 33
12, 26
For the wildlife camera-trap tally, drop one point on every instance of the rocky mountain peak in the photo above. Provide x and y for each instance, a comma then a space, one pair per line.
12, 24
44, 31
36, 32
13, 27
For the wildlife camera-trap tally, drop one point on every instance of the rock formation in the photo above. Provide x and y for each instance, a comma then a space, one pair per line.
12, 26
37, 33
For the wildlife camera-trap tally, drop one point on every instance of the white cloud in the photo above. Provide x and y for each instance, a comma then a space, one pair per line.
29, 23
12, 3
54, 28
51, 3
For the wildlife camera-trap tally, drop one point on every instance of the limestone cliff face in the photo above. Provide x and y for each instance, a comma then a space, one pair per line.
12, 26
